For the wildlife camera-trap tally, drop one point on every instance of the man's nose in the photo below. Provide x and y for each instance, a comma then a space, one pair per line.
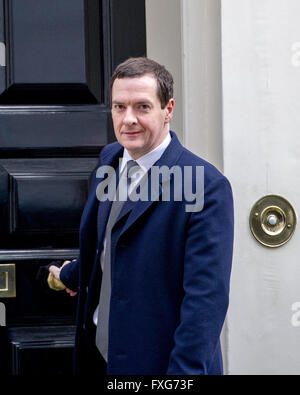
129, 117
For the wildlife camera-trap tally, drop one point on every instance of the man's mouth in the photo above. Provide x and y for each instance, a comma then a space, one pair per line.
131, 132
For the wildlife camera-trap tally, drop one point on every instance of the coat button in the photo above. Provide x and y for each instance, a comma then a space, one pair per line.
121, 355
122, 299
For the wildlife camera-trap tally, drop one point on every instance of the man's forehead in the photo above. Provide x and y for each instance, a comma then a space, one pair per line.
138, 82
141, 88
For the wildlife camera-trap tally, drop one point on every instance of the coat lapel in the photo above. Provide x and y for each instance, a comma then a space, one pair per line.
90, 213
136, 209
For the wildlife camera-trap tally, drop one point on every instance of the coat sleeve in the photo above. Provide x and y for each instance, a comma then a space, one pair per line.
69, 275
207, 267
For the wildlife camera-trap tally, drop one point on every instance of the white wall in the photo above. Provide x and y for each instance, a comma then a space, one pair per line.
184, 35
163, 27
261, 118
202, 82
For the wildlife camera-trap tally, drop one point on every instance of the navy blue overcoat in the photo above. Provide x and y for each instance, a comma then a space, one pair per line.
170, 275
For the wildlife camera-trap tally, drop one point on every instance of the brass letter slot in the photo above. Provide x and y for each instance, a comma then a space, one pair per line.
7, 280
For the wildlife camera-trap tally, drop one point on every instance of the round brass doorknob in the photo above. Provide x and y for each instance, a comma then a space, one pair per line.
272, 221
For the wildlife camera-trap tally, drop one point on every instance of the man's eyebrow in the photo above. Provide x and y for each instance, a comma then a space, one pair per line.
138, 102
143, 101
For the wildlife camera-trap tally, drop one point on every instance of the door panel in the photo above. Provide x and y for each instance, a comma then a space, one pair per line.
56, 59
33, 348
43, 201
51, 129
48, 48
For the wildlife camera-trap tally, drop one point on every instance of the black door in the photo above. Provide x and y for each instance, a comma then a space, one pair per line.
56, 58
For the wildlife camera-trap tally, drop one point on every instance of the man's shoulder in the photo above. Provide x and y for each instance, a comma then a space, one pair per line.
211, 173
216, 186
109, 151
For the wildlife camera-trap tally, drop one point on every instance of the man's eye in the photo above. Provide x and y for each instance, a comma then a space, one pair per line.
144, 107
119, 107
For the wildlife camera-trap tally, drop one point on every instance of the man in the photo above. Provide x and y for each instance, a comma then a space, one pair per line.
169, 262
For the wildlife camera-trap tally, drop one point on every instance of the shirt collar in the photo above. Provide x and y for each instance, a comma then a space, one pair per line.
147, 161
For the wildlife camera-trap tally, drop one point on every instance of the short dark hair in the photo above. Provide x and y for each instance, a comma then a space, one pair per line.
137, 67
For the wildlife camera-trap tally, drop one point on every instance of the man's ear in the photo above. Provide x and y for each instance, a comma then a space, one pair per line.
169, 110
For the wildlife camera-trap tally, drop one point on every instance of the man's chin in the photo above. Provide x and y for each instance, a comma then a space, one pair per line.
131, 145
134, 150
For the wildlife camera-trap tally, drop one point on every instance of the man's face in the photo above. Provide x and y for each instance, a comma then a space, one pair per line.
140, 123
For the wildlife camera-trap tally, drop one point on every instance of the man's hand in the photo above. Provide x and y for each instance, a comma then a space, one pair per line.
55, 271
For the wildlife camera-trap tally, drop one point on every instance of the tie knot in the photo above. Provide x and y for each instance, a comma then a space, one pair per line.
132, 167
132, 172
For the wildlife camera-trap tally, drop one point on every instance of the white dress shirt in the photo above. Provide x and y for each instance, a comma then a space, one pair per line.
145, 162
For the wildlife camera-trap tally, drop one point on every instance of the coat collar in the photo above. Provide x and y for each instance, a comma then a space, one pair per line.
168, 158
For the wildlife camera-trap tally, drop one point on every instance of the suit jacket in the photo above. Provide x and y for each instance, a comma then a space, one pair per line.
170, 275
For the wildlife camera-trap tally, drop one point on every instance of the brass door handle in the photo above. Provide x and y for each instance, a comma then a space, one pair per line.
272, 221
55, 284
7, 280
